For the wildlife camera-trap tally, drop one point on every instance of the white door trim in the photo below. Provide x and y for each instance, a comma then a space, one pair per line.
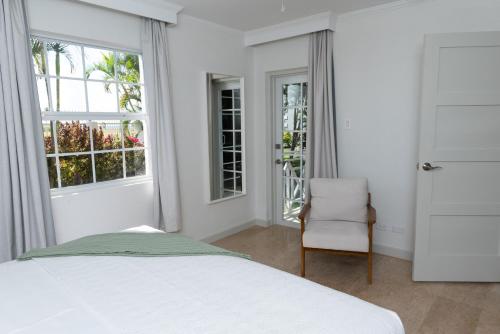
271, 78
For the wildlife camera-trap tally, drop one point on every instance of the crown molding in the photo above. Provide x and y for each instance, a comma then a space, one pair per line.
384, 7
302, 26
155, 9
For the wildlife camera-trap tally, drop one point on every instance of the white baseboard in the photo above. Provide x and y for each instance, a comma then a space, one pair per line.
231, 231
379, 249
394, 252
262, 222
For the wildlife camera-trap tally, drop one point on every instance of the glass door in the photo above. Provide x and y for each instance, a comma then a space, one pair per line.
290, 146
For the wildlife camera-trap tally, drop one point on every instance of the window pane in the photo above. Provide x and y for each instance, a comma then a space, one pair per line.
291, 119
102, 97
130, 98
227, 103
76, 170
304, 119
227, 140
291, 94
291, 142
135, 162
304, 94
237, 139
237, 103
48, 139
134, 133
291, 168
68, 95
43, 93
39, 57
108, 166
129, 67
106, 135
237, 122
229, 181
52, 167
99, 64
73, 136
228, 160
238, 165
239, 182
65, 60
227, 122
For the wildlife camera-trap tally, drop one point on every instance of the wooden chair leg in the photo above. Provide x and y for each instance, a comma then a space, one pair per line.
302, 262
370, 267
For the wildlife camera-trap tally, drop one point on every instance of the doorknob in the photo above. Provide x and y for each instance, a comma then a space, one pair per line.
428, 167
278, 161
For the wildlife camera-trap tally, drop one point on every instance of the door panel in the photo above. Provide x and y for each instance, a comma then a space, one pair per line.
479, 69
468, 127
464, 236
457, 235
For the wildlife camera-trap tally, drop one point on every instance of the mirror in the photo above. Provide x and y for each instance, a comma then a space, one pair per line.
226, 135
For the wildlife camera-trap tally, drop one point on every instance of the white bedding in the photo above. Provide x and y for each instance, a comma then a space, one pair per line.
197, 294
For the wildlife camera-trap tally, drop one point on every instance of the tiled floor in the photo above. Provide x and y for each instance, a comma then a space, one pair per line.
423, 307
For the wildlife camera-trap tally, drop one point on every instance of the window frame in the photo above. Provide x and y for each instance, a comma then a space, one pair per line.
53, 117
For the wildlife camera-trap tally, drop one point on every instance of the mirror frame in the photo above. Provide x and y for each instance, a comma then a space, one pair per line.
207, 141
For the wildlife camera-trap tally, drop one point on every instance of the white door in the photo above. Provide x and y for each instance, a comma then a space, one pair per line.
458, 201
290, 112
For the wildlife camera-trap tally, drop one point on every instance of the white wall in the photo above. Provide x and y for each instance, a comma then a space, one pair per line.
271, 57
378, 57
377, 69
195, 46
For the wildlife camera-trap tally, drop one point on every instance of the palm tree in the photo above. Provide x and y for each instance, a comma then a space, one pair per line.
38, 56
59, 49
127, 70
40, 60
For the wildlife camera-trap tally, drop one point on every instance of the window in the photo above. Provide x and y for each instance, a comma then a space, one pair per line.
93, 112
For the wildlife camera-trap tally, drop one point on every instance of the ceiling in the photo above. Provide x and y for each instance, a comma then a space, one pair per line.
252, 14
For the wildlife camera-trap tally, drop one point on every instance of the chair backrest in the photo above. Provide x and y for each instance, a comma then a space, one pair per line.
339, 199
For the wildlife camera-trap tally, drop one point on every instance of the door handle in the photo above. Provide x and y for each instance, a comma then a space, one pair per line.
278, 161
428, 167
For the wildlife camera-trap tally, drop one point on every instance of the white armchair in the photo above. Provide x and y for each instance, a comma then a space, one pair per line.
338, 219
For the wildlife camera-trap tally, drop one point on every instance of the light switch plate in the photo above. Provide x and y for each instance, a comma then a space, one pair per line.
347, 124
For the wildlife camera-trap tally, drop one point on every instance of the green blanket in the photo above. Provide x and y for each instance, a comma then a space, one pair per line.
131, 244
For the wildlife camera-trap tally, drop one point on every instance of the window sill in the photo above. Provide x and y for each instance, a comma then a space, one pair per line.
220, 200
75, 190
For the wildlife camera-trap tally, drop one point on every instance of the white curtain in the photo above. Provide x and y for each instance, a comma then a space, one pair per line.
167, 207
25, 206
321, 158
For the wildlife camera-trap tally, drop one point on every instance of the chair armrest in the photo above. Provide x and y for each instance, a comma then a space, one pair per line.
372, 215
302, 216
303, 213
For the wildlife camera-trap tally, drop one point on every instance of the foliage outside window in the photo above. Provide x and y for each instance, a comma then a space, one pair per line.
93, 115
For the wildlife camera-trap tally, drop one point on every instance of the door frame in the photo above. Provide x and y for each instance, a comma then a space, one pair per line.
271, 78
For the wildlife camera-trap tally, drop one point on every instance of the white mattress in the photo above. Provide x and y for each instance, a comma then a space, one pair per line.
198, 294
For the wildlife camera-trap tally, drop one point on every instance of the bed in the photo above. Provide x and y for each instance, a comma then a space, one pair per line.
175, 294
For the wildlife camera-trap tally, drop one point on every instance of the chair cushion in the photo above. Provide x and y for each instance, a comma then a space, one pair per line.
339, 199
337, 235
